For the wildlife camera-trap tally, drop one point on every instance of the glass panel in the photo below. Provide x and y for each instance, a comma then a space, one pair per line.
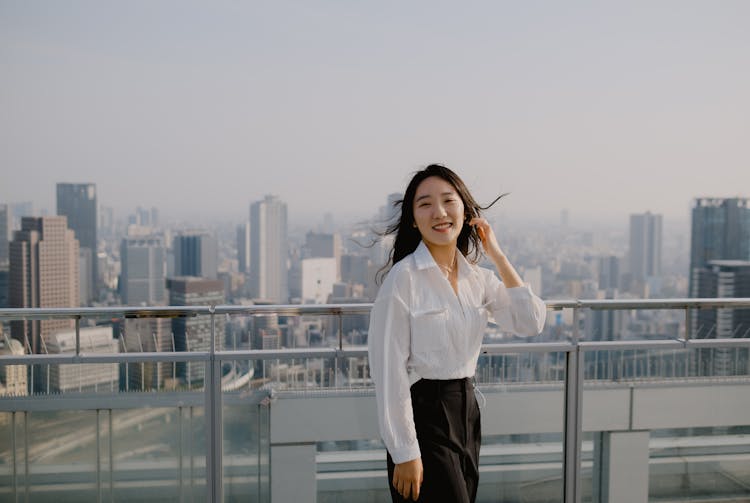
352, 470
6, 457
159, 454
522, 468
62, 449
241, 447
700, 463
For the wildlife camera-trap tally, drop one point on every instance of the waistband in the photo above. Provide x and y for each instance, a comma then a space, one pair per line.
443, 385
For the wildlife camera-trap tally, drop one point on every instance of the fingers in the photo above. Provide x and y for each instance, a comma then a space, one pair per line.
482, 226
408, 489
407, 478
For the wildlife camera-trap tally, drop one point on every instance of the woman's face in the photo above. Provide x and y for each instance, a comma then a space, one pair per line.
438, 212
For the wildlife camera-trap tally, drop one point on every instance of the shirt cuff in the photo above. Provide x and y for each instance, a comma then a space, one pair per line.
405, 453
519, 291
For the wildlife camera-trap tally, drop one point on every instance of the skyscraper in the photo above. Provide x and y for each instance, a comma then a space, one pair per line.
4, 229
720, 231
324, 245
194, 334
4, 253
195, 254
317, 279
645, 251
43, 273
82, 376
13, 378
243, 247
140, 335
77, 202
719, 279
609, 272
143, 261
268, 250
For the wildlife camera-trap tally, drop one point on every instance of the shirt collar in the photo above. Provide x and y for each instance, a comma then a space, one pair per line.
423, 257
424, 260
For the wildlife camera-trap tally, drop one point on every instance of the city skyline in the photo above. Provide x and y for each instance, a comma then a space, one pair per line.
332, 106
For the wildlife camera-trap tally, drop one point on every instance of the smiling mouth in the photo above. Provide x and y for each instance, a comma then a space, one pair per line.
442, 227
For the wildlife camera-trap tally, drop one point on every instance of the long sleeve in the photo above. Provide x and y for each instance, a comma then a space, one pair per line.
515, 310
388, 346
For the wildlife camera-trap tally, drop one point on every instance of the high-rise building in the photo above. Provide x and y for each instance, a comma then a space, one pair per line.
317, 279
354, 269
645, 252
195, 254
151, 335
80, 376
106, 221
143, 261
243, 247
609, 273
4, 230
323, 245
722, 279
268, 250
43, 273
13, 378
720, 231
194, 334
5, 227
77, 202
4, 277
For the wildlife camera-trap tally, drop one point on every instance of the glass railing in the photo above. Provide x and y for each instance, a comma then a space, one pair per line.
291, 410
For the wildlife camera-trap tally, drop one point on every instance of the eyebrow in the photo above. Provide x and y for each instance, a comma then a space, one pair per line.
428, 195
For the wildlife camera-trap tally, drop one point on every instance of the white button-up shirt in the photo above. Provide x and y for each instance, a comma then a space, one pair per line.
420, 328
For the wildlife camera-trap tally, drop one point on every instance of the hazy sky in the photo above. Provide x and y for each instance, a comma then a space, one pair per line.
603, 108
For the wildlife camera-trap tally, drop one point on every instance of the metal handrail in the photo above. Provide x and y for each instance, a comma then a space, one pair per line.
343, 310
40, 313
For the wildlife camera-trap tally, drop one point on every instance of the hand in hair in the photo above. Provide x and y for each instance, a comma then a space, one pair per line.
492, 249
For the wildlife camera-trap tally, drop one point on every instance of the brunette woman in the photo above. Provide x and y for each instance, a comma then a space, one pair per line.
426, 329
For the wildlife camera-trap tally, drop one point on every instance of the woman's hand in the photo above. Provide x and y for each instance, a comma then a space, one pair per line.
487, 235
407, 478
492, 248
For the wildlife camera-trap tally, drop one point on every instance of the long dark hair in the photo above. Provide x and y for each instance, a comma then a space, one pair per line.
407, 236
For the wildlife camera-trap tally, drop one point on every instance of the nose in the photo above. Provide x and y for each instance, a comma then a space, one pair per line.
439, 211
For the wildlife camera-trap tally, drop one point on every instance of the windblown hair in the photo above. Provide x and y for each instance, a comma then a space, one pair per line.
407, 236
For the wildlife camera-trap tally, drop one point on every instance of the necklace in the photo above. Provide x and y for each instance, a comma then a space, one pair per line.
448, 270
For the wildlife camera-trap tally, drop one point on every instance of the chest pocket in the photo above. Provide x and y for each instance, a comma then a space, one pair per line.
482, 313
429, 331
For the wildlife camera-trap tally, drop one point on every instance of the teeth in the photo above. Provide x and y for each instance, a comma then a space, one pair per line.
442, 226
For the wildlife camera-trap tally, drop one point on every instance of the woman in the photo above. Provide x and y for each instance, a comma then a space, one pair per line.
425, 334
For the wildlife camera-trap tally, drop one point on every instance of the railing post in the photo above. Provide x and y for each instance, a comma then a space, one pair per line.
98, 460
111, 459
180, 454
78, 335
337, 367
14, 461
213, 413
573, 412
